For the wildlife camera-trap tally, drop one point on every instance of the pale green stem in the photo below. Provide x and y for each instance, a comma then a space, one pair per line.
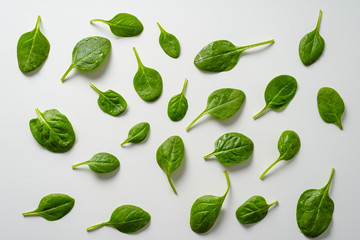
95, 226
327, 186
255, 45
339, 124
37, 26
273, 203
137, 58
79, 164
123, 143
38, 113
171, 184
227, 183
67, 72
318, 22
32, 213
161, 29
261, 112
97, 20
201, 114
209, 155
262, 175
95, 88
184, 86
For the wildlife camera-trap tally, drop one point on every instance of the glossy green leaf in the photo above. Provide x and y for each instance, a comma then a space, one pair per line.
32, 49
53, 131
331, 106
170, 155
232, 148
311, 45
288, 146
88, 54
222, 104
253, 210
126, 219
123, 25
147, 81
178, 105
221, 55
53, 207
314, 210
110, 101
137, 133
169, 43
101, 163
279, 93
206, 210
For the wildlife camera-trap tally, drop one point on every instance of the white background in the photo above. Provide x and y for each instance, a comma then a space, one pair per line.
28, 171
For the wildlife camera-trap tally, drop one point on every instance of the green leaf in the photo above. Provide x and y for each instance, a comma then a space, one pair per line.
288, 146
101, 163
311, 45
331, 106
137, 133
232, 148
88, 54
170, 155
53, 131
314, 210
53, 207
169, 43
147, 82
178, 105
222, 104
206, 210
126, 219
221, 55
32, 49
253, 210
123, 25
279, 93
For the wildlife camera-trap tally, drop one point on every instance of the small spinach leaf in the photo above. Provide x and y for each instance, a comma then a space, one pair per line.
206, 210
137, 133
278, 93
126, 219
123, 25
178, 105
88, 54
314, 210
53, 131
169, 43
222, 104
288, 146
101, 163
311, 45
331, 106
147, 81
53, 206
32, 49
232, 148
110, 101
221, 55
253, 210
170, 155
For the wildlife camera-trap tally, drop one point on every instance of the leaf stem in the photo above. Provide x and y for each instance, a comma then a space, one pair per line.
137, 58
261, 112
37, 26
327, 186
318, 21
209, 155
273, 203
95, 226
79, 164
256, 44
171, 184
184, 86
98, 20
32, 213
198, 117
66, 73
124, 142
339, 124
95, 88
227, 183
161, 29
262, 175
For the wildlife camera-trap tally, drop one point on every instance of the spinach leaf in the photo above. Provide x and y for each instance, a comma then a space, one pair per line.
123, 25
311, 45
110, 101
53, 206
314, 210
170, 155
232, 148
222, 104
88, 54
253, 210
32, 49
288, 146
221, 55
169, 43
178, 105
278, 93
147, 81
137, 133
206, 210
331, 106
126, 219
101, 163
52, 130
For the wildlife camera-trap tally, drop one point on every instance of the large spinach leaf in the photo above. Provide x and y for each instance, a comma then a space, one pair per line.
169, 43
101, 163
137, 133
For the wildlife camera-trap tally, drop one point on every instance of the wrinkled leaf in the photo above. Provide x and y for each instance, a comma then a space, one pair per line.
137, 133
101, 163
169, 43
178, 105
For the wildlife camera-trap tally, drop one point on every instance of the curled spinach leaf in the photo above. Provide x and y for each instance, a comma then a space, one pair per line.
169, 43
123, 25
137, 133
253, 210
101, 163
178, 105
222, 104
88, 54
232, 148
314, 210
288, 146
279, 93
32, 49
53, 206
